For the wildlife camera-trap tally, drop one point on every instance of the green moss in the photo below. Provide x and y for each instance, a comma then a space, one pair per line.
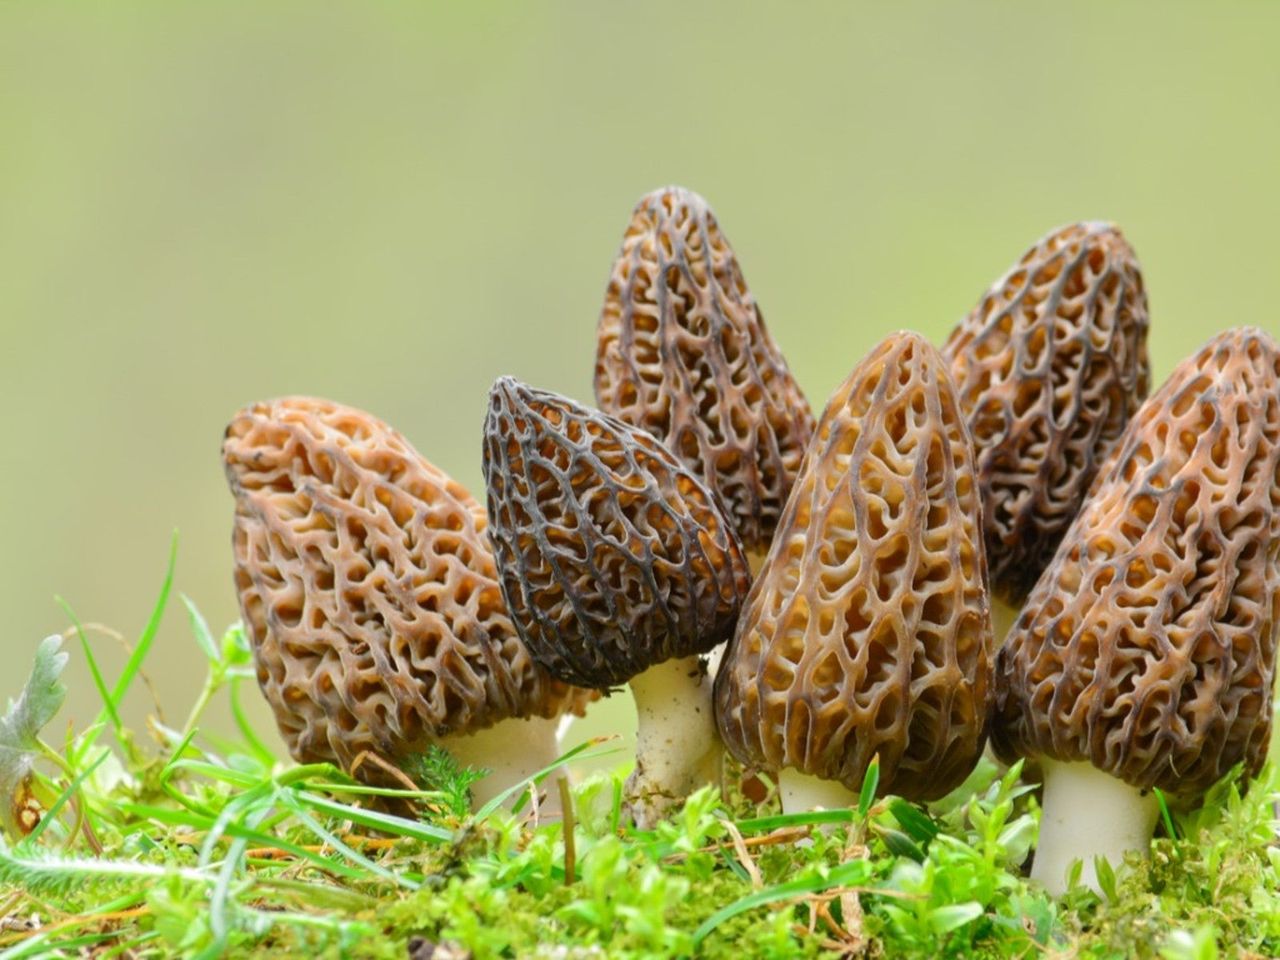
200, 847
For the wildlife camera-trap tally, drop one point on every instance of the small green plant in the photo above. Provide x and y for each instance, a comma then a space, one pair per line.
437, 770
191, 844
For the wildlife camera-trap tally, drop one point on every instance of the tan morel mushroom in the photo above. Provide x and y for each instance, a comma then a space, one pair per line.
682, 352
1146, 653
618, 567
371, 600
868, 629
1049, 367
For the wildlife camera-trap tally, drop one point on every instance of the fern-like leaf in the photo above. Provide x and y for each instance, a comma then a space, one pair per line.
39, 871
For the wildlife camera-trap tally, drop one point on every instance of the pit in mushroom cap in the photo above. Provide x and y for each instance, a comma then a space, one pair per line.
617, 567
868, 630
683, 352
1049, 366
1147, 649
368, 592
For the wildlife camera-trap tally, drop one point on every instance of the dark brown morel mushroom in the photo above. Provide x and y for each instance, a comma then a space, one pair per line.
1049, 367
683, 353
1145, 655
618, 567
868, 629
371, 599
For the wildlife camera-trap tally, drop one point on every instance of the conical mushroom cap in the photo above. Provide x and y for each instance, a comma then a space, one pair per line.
1049, 367
613, 556
367, 588
868, 629
1148, 646
683, 352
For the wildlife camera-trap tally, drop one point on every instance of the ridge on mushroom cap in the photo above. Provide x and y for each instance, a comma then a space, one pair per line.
1148, 647
613, 556
1049, 366
868, 629
368, 592
683, 352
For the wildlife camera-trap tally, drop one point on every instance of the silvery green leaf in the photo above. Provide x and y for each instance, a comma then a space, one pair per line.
39, 702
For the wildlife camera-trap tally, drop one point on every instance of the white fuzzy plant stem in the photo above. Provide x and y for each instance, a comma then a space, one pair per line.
511, 750
1086, 814
677, 747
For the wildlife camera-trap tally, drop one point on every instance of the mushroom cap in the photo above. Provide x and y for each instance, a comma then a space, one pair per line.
868, 630
613, 556
683, 352
1049, 367
1148, 647
368, 592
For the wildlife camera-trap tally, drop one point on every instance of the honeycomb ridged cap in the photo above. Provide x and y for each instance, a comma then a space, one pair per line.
868, 630
1049, 366
613, 556
682, 352
1148, 646
367, 588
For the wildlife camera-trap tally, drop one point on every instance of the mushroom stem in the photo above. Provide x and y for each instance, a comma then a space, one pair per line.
1085, 814
1003, 617
511, 750
801, 793
677, 747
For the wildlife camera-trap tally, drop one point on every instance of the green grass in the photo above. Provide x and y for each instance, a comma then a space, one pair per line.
186, 842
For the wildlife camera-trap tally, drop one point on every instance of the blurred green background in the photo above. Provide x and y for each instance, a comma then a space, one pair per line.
390, 205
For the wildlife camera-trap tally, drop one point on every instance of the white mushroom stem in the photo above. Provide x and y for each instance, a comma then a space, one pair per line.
1085, 814
511, 750
801, 793
677, 747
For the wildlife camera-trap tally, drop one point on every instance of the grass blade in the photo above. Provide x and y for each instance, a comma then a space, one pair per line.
134, 663
577, 753
869, 784
108, 703
261, 752
375, 820
240, 832
804, 819
919, 826
200, 630
1165, 815
851, 873
52, 813
299, 811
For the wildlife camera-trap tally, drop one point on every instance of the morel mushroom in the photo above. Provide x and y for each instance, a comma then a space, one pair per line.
868, 629
371, 600
618, 567
683, 353
1049, 367
1146, 653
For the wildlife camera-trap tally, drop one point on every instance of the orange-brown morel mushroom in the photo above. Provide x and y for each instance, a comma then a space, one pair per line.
618, 567
868, 629
683, 352
371, 600
1049, 367
1146, 653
